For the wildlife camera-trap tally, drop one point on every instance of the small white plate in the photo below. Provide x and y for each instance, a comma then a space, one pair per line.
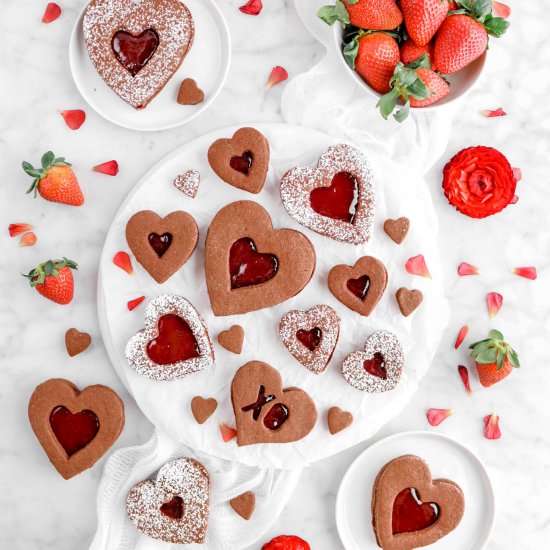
447, 459
207, 62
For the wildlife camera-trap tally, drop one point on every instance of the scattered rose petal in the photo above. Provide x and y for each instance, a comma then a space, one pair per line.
278, 74
228, 433
514, 200
436, 416
109, 168
465, 269
122, 260
490, 114
132, 304
501, 10
18, 228
53, 11
417, 266
252, 7
492, 428
28, 239
74, 119
465, 375
517, 173
494, 303
527, 272
461, 335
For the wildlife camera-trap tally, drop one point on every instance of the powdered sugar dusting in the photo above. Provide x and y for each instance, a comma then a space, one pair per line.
188, 183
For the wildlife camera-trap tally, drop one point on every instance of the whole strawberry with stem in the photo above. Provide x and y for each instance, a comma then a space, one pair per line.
55, 180
373, 15
54, 280
423, 18
495, 359
409, 52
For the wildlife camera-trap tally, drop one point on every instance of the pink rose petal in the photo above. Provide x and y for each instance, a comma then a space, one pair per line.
417, 266
278, 74
514, 200
132, 304
492, 428
494, 303
122, 260
16, 229
501, 10
517, 173
109, 168
252, 7
74, 119
465, 269
461, 335
53, 11
28, 239
228, 433
527, 272
465, 376
490, 114
436, 416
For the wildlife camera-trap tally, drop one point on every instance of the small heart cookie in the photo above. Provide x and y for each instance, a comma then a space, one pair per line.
338, 420
244, 504
76, 342
408, 300
189, 93
188, 183
202, 408
232, 339
397, 230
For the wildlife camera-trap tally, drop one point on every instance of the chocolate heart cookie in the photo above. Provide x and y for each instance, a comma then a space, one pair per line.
189, 93
75, 428
397, 230
136, 47
232, 339
76, 342
264, 411
162, 245
408, 300
249, 265
335, 199
338, 420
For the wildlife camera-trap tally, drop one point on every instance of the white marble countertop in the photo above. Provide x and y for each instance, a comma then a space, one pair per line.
42, 511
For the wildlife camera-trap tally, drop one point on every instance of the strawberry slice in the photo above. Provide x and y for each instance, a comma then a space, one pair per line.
109, 168
74, 119
461, 335
122, 260
53, 11
132, 304
228, 433
252, 7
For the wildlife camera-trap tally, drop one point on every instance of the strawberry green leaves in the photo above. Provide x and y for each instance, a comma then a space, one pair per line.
494, 350
338, 12
52, 267
48, 160
482, 12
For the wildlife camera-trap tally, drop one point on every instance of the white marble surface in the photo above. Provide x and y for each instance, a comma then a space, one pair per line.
42, 511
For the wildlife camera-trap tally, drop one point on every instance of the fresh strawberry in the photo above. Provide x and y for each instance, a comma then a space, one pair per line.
54, 280
55, 181
494, 358
437, 86
372, 15
423, 18
286, 542
410, 52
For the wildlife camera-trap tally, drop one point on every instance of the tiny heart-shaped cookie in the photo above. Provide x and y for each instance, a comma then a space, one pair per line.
359, 287
75, 428
189, 93
232, 339
76, 342
397, 230
244, 504
174, 342
335, 199
409, 509
264, 411
338, 420
249, 265
311, 336
378, 367
136, 47
241, 161
175, 507
408, 300
162, 245
188, 183
203, 408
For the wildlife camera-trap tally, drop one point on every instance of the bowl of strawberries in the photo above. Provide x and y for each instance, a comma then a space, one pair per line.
414, 53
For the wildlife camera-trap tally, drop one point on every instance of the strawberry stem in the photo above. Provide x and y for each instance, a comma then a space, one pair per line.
48, 160
38, 275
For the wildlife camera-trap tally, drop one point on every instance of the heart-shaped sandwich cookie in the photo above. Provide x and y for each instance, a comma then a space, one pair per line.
241, 161
162, 245
264, 411
175, 507
378, 367
359, 287
410, 509
335, 199
75, 428
311, 336
136, 47
174, 342
249, 265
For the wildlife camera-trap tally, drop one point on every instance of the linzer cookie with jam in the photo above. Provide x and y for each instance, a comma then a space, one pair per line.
136, 47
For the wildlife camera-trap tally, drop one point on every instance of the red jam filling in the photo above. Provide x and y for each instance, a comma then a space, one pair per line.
160, 243
339, 201
359, 287
242, 163
257, 406
175, 341
173, 508
410, 514
134, 52
248, 267
376, 366
73, 431
310, 338
276, 416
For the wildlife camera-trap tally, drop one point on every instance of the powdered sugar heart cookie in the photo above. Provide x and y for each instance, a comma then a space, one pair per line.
136, 47
174, 342
336, 198
175, 507
378, 368
188, 183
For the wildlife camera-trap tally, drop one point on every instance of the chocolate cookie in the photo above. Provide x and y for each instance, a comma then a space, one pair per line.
203, 408
338, 420
189, 93
76, 342
188, 183
232, 339
408, 300
397, 230
244, 504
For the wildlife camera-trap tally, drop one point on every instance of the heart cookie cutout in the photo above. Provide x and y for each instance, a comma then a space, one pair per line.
203, 408
136, 47
75, 428
336, 198
249, 265
189, 93
244, 504
311, 336
232, 339
162, 245
175, 507
359, 287
378, 367
408, 300
397, 230
174, 342
188, 183
76, 342
242, 161
338, 420
264, 411
409, 509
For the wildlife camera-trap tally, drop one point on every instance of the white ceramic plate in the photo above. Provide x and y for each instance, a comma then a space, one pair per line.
447, 459
207, 62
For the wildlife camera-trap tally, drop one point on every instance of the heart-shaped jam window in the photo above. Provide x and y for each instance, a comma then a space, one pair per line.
410, 514
175, 341
310, 338
134, 52
275, 417
242, 163
359, 287
339, 201
73, 431
173, 508
160, 243
248, 267
376, 366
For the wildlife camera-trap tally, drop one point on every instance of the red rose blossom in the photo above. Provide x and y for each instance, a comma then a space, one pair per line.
286, 542
479, 181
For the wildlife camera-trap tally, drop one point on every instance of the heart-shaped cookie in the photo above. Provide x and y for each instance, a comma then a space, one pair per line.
241, 161
264, 411
136, 47
76, 342
249, 265
244, 504
397, 230
335, 199
359, 287
232, 339
409, 509
378, 367
338, 420
175, 507
408, 300
203, 408
189, 93
174, 342
188, 183
162, 245
311, 336
75, 428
